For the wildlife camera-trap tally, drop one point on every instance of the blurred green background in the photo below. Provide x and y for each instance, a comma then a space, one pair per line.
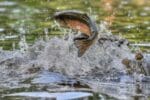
32, 18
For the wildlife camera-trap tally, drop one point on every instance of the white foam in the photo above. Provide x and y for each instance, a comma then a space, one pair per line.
58, 96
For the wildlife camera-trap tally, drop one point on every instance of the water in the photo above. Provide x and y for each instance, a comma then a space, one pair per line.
49, 66
38, 63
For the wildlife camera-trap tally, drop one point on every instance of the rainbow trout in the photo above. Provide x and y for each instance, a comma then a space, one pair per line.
82, 22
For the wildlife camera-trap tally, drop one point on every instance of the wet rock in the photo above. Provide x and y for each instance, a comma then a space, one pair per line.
126, 63
138, 65
139, 56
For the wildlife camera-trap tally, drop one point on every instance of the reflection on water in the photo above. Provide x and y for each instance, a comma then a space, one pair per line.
55, 96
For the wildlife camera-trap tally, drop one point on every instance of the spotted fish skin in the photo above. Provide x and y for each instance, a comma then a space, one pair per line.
82, 22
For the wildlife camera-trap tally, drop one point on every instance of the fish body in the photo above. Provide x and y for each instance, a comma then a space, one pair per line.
82, 22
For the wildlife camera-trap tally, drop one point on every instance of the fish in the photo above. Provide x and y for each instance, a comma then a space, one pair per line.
79, 21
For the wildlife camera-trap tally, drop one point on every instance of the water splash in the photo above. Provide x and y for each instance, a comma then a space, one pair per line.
56, 55
101, 62
60, 55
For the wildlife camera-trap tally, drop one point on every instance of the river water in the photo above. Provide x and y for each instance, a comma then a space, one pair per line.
34, 65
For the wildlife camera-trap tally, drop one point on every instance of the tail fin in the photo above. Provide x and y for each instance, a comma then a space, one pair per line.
82, 46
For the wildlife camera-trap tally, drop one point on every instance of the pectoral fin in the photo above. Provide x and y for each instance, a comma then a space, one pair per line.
82, 46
